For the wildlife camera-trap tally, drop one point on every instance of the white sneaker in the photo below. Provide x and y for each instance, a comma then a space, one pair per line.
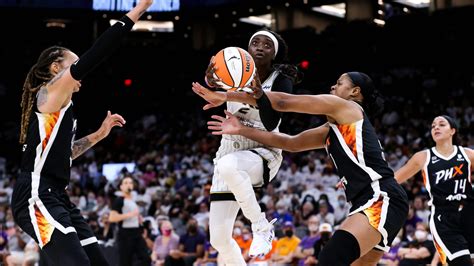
263, 236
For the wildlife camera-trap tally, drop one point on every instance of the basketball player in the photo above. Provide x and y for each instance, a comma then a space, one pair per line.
40, 203
241, 163
446, 170
379, 205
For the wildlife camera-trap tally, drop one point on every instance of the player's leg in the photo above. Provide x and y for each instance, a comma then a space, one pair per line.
240, 171
87, 238
221, 225
354, 238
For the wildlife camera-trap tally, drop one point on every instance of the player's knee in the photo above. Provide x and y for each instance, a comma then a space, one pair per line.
227, 166
341, 250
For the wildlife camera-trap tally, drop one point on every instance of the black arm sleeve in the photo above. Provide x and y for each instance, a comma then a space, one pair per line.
270, 117
103, 47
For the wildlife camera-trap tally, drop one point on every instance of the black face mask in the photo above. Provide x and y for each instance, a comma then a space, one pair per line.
325, 236
192, 229
289, 233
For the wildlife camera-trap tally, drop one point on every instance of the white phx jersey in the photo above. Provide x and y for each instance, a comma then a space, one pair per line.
249, 116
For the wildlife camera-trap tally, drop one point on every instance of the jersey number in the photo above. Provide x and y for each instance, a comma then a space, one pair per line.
460, 185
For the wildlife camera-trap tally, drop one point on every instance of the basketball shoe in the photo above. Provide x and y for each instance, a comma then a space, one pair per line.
263, 236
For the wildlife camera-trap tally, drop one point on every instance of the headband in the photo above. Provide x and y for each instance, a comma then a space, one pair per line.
269, 35
363, 81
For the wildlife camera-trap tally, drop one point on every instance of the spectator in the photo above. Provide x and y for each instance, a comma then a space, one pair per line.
168, 240
324, 215
191, 247
305, 248
420, 251
286, 245
325, 231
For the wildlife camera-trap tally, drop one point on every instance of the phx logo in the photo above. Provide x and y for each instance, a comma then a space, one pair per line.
448, 173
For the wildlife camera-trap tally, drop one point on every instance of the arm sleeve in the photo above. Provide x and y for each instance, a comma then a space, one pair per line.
104, 46
270, 117
118, 205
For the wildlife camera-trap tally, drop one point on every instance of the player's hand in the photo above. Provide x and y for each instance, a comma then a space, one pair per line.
255, 87
110, 121
210, 77
145, 4
214, 98
225, 125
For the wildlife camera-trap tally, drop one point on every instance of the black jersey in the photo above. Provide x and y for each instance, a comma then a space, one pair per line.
358, 157
48, 147
448, 179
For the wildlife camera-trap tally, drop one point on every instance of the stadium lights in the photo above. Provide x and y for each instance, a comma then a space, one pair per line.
414, 3
262, 20
151, 26
336, 10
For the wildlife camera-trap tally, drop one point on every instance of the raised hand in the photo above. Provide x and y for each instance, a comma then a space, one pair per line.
110, 121
214, 98
229, 125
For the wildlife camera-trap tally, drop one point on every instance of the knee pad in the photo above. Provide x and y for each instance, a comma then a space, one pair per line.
341, 250
461, 261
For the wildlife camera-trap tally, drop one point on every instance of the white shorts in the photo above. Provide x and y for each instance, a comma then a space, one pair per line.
250, 161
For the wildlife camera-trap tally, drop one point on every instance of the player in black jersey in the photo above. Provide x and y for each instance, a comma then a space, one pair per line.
379, 205
40, 204
446, 170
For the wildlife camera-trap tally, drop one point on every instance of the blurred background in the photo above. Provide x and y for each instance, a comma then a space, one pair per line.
419, 53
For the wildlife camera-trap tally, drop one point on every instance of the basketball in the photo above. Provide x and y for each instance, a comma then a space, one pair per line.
235, 68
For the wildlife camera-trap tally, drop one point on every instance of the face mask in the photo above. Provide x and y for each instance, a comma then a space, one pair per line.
167, 232
192, 229
245, 237
325, 236
237, 231
421, 235
396, 241
289, 233
342, 203
313, 228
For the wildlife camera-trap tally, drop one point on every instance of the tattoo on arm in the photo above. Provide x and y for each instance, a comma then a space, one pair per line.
80, 146
42, 96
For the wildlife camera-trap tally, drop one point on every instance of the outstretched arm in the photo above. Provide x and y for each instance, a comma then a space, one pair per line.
81, 145
61, 87
306, 140
339, 109
413, 166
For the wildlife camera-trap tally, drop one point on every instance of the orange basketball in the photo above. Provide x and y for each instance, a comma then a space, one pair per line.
235, 68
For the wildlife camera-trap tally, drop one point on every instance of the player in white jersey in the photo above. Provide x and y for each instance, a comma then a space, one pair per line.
446, 169
379, 206
241, 163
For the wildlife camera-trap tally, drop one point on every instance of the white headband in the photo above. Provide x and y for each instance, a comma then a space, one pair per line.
269, 35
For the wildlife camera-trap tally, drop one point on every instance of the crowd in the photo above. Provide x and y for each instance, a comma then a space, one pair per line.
173, 170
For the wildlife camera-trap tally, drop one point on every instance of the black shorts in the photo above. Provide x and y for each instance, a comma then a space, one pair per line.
41, 206
387, 209
449, 234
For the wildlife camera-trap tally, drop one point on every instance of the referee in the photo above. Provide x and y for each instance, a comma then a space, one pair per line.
129, 239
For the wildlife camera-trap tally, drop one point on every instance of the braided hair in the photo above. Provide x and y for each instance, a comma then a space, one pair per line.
38, 75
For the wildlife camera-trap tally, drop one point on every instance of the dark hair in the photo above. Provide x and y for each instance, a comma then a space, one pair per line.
280, 62
373, 102
38, 75
453, 124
